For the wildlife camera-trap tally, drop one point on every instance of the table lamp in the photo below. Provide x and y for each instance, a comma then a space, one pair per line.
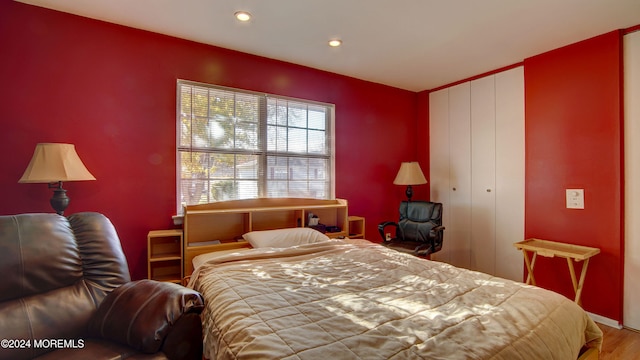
52, 164
410, 174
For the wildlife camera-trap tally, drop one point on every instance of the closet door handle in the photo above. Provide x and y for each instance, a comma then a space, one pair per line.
454, 189
488, 190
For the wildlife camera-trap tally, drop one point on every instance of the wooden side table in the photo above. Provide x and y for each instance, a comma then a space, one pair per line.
164, 255
356, 227
573, 253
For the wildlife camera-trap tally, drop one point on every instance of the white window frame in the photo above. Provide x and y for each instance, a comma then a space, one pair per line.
262, 151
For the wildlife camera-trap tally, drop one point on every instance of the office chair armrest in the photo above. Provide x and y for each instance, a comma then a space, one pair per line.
436, 232
383, 225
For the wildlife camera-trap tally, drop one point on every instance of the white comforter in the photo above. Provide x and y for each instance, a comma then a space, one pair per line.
357, 300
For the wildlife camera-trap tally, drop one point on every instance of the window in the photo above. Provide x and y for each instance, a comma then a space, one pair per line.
235, 144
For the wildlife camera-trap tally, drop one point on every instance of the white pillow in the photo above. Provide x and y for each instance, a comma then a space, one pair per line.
282, 238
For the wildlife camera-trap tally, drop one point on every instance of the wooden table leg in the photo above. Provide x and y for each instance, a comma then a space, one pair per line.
583, 274
574, 281
572, 272
530, 265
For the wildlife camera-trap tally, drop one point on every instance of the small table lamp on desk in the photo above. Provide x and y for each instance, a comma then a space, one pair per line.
573, 253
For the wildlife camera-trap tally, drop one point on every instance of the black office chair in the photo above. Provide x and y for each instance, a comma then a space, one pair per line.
419, 231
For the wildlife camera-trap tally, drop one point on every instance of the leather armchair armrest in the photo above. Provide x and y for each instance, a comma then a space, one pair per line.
143, 313
383, 225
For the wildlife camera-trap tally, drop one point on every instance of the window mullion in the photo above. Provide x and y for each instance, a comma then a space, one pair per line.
262, 146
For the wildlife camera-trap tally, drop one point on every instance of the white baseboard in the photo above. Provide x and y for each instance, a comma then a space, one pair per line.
605, 321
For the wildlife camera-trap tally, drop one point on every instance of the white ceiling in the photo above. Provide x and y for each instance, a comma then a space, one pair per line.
409, 44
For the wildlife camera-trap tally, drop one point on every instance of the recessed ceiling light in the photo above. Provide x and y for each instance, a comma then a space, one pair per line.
242, 15
335, 42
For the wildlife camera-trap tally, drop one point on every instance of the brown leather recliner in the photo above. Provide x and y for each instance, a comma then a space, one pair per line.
66, 293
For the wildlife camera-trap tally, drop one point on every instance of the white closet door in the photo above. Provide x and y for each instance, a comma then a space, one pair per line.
483, 174
631, 309
509, 172
439, 161
459, 232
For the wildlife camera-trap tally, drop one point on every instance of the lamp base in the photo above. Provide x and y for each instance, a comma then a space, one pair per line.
409, 192
59, 201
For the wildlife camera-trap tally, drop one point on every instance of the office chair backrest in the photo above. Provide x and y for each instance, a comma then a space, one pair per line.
417, 219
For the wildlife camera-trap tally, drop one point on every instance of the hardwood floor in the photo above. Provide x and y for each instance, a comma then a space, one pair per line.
620, 344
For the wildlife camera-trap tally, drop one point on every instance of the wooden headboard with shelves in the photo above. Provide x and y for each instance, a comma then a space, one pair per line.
220, 226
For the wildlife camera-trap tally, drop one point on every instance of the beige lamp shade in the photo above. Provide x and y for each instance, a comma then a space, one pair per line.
410, 174
53, 163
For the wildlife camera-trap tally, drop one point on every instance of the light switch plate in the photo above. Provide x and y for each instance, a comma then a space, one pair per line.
575, 198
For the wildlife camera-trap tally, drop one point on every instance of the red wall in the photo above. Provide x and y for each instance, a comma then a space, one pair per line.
573, 132
111, 91
422, 142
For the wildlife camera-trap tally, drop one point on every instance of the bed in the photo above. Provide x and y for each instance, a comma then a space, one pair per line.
296, 294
